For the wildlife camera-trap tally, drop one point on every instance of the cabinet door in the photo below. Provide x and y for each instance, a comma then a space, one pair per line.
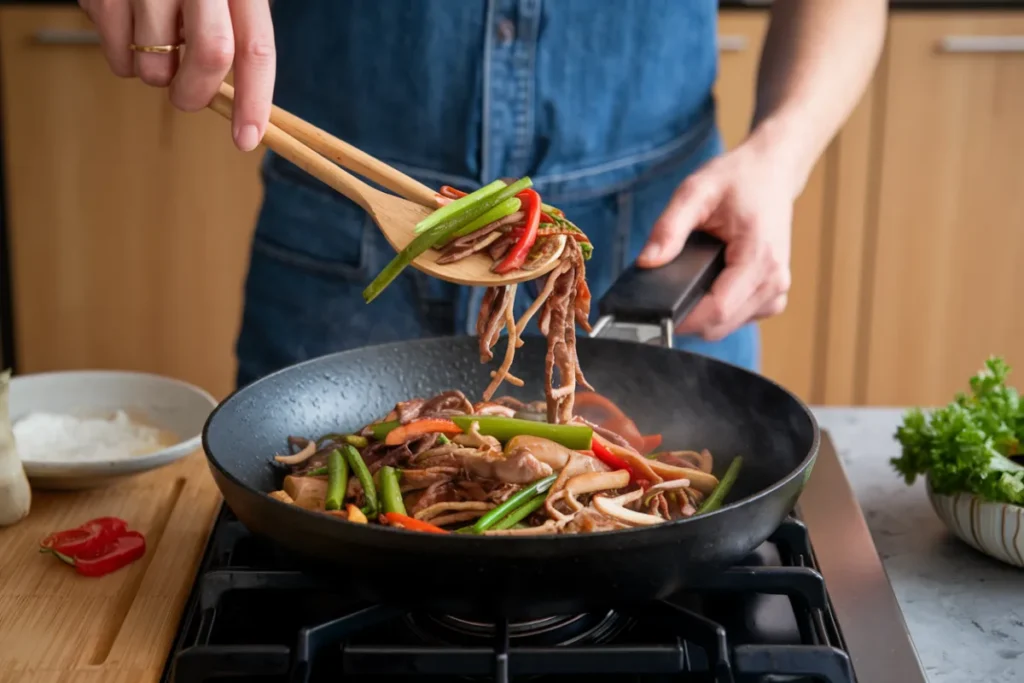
129, 222
946, 286
791, 341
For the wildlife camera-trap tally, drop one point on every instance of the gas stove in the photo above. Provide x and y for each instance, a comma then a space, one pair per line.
811, 604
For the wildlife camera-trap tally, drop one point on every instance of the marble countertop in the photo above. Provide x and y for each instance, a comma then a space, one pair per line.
964, 610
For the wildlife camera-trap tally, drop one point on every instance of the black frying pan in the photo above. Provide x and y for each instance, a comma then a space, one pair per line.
694, 401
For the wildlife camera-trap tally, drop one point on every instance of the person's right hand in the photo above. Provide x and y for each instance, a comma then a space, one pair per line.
217, 33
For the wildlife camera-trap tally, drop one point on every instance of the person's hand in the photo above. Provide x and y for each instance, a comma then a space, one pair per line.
217, 33
745, 198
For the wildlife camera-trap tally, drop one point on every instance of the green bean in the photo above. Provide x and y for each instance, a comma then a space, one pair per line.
437, 235
331, 436
362, 472
382, 429
337, 480
576, 437
457, 207
717, 497
356, 440
390, 493
522, 512
514, 501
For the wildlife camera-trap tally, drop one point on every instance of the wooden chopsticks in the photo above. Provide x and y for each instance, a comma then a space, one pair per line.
345, 155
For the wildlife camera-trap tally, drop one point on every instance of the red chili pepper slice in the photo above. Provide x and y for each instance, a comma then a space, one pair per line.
610, 459
449, 191
411, 523
94, 535
122, 551
516, 256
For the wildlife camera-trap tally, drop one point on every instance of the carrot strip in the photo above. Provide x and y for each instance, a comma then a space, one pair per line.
411, 523
407, 432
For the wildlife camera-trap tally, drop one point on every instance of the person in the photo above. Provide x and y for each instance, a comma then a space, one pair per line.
607, 105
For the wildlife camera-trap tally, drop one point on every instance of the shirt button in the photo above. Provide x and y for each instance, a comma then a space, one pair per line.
506, 31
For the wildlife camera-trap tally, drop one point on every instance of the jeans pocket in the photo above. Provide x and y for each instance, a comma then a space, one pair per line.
308, 226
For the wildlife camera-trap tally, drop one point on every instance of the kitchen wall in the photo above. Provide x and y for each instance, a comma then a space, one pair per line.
907, 239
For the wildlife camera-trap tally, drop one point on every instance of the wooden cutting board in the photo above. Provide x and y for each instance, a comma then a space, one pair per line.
59, 627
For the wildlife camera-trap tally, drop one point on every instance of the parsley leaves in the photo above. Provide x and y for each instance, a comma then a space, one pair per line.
966, 446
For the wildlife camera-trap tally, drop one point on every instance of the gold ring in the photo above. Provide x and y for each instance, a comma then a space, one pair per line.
155, 49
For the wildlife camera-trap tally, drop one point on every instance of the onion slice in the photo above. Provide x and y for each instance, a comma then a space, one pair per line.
669, 485
307, 452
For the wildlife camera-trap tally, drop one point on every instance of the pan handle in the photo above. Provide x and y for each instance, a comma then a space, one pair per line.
663, 296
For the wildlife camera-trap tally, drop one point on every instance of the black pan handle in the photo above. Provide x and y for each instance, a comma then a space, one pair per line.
663, 296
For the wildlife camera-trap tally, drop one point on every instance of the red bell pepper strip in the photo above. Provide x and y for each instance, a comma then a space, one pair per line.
411, 523
516, 256
92, 536
650, 443
610, 459
125, 549
603, 412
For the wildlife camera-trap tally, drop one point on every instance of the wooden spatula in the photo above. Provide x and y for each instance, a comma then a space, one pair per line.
396, 217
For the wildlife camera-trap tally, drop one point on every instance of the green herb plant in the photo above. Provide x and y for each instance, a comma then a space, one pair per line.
967, 446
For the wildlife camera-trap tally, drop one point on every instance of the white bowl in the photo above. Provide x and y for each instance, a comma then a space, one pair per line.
168, 404
996, 529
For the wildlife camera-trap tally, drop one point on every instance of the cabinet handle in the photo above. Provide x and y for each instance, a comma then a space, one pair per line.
59, 36
982, 44
729, 43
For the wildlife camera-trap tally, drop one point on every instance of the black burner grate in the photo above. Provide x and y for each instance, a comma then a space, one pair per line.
251, 618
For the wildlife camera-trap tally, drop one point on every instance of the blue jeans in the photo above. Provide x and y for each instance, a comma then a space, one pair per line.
314, 252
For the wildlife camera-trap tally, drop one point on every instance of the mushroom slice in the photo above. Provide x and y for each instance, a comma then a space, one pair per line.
702, 481
436, 509
590, 482
547, 527
612, 508
597, 481
668, 486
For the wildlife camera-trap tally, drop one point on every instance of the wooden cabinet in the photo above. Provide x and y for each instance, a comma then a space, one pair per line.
792, 343
943, 284
129, 223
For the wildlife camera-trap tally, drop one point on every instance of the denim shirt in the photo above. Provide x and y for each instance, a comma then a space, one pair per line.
607, 106
582, 96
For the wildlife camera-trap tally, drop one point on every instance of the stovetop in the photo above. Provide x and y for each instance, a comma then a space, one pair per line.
782, 615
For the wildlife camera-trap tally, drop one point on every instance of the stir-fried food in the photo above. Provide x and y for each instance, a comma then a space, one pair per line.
518, 232
498, 467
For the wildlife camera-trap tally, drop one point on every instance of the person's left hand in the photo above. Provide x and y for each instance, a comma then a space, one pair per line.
745, 198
